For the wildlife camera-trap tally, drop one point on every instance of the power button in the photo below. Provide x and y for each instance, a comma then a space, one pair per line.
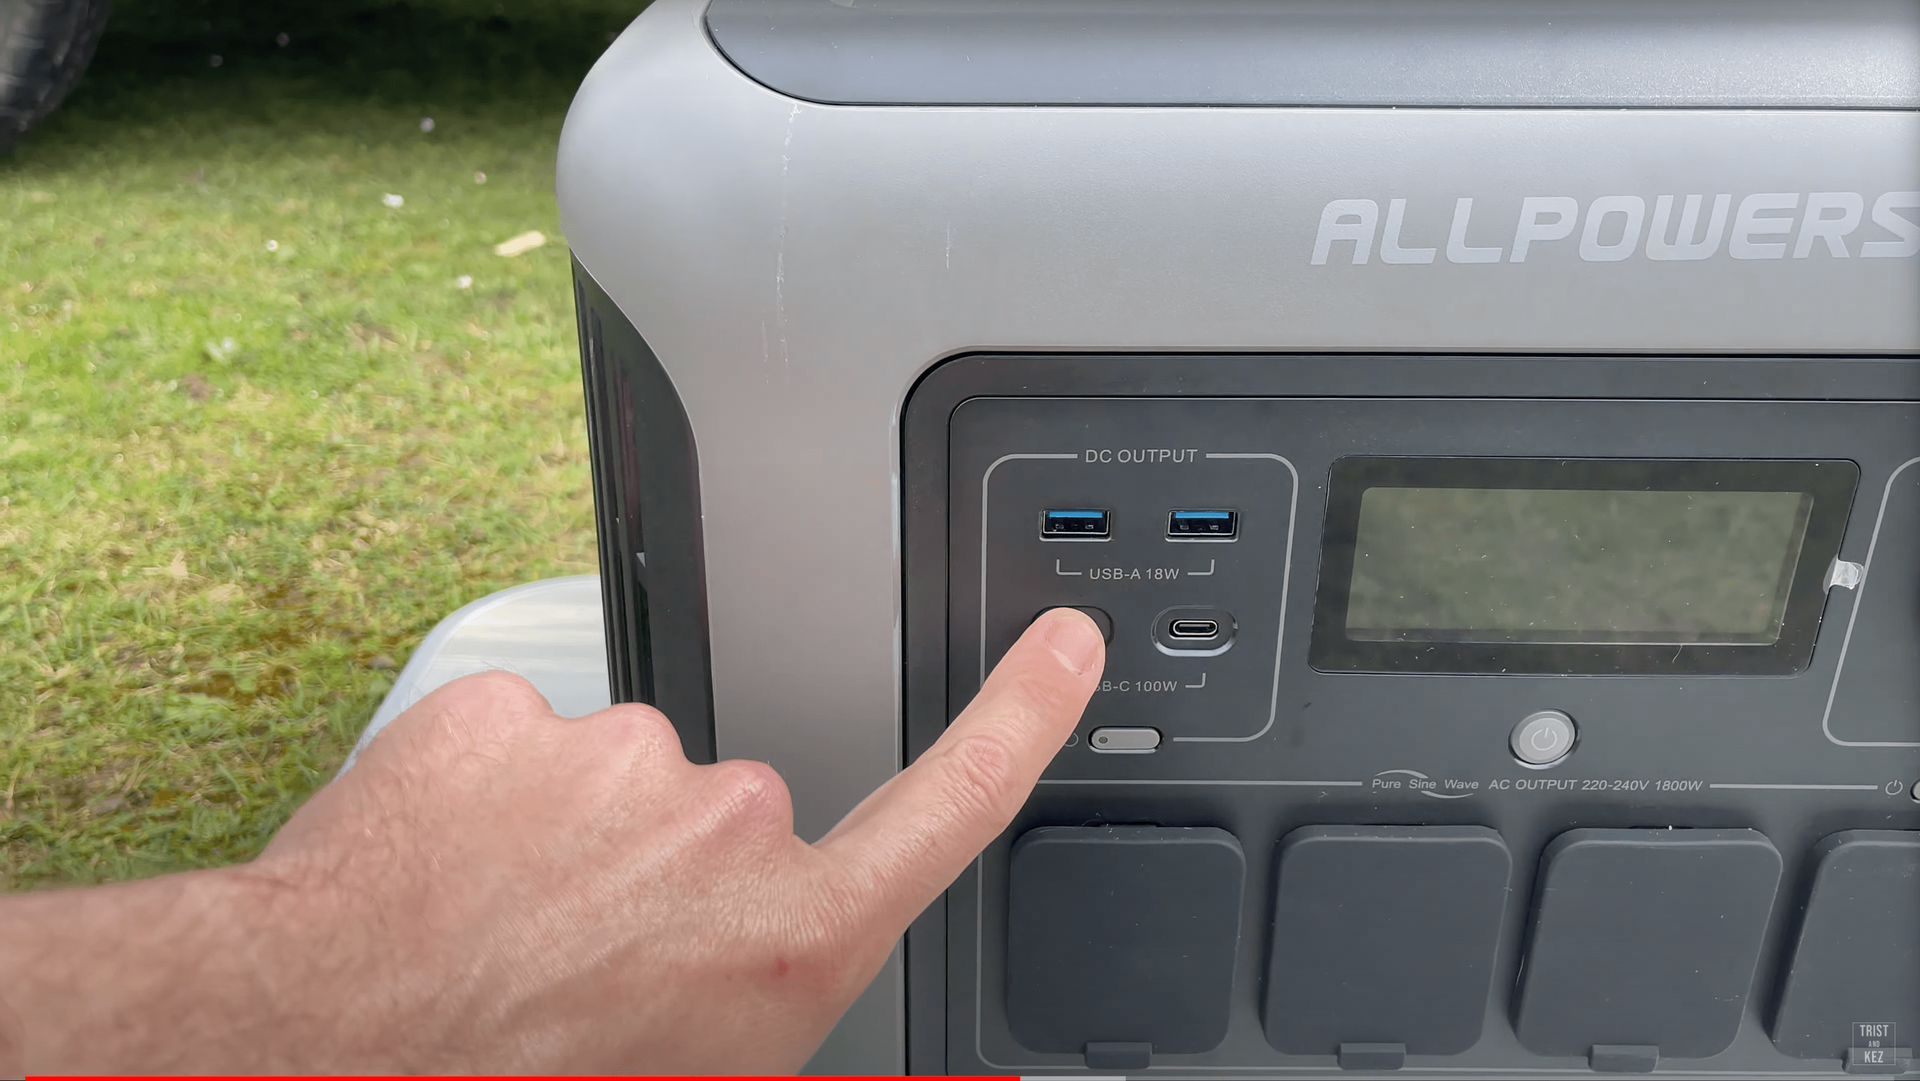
1542, 739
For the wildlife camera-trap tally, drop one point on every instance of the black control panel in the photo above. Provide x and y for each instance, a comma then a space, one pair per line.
1525, 718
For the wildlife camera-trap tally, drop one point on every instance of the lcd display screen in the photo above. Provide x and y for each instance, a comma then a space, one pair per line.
1573, 566
1576, 566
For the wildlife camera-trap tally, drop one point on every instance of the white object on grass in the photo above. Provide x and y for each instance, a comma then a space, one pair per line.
392, 200
549, 632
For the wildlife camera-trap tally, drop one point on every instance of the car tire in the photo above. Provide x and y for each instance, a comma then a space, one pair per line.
44, 47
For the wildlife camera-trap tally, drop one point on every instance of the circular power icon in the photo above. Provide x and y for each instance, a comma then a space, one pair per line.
1542, 739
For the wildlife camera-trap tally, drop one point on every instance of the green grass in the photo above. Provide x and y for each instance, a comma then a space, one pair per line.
255, 438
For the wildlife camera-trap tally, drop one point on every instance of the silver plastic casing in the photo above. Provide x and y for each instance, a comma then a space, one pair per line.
796, 266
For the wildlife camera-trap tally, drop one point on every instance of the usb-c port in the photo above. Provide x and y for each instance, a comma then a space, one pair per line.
1193, 631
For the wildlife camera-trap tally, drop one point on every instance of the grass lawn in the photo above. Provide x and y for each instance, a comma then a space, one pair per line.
260, 430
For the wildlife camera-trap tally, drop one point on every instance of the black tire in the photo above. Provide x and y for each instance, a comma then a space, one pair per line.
44, 47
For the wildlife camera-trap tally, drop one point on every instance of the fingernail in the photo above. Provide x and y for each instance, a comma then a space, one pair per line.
1075, 641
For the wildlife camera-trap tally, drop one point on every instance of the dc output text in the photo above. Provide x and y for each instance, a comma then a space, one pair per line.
1141, 455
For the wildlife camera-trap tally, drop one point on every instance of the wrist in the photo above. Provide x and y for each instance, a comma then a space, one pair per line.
150, 976
306, 963
325, 957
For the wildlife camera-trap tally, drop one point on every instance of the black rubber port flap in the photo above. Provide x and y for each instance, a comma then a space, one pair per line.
1122, 935
1645, 938
1853, 980
1384, 935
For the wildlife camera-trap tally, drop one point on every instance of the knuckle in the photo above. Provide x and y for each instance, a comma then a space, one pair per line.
499, 689
1043, 696
980, 773
471, 714
643, 724
753, 795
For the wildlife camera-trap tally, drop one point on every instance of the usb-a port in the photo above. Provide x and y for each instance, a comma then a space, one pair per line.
1203, 525
1075, 524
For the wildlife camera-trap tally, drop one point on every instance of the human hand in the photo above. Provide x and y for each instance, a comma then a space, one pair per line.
495, 888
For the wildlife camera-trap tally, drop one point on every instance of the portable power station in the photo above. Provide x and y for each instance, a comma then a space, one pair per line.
1488, 431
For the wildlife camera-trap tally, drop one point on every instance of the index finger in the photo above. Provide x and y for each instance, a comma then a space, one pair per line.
908, 840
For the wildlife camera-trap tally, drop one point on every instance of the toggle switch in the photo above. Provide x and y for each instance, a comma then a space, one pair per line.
1124, 740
